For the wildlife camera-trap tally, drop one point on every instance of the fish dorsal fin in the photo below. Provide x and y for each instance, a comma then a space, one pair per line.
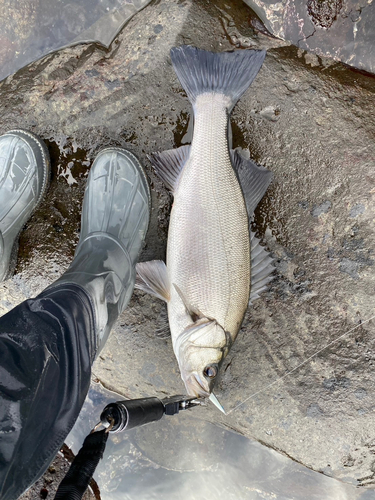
261, 268
169, 164
253, 178
193, 312
152, 277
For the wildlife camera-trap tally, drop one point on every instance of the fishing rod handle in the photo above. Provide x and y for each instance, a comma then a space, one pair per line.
132, 413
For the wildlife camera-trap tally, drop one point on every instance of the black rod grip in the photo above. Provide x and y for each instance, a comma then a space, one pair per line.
132, 413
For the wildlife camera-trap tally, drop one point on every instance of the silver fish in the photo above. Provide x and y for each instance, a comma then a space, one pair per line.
210, 270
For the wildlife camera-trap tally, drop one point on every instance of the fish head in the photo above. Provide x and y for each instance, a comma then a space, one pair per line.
201, 349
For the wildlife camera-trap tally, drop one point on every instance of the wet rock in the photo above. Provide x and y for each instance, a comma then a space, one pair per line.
340, 29
315, 325
332, 384
349, 267
321, 209
196, 458
48, 484
32, 28
314, 411
357, 209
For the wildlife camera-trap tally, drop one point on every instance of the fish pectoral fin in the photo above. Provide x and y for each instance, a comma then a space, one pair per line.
254, 180
261, 268
168, 165
152, 277
193, 312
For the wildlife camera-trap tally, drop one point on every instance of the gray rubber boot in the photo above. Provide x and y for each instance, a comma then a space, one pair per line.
115, 217
24, 178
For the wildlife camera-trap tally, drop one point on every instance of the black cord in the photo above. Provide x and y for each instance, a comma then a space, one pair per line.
76, 481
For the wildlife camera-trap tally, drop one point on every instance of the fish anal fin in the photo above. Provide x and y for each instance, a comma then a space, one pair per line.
254, 180
261, 268
152, 277
168, 165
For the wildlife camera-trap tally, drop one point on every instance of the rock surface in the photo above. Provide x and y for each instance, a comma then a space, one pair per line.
341, 29
48, 484
29, 29
199, 460
309, 121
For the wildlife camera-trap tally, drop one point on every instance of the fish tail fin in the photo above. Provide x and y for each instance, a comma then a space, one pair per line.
228, 73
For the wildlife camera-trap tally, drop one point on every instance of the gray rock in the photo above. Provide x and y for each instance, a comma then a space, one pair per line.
357, 209
29, 29
273, 384
339, 29
321, 209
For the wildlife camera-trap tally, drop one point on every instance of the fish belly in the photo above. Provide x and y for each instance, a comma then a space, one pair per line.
208, 254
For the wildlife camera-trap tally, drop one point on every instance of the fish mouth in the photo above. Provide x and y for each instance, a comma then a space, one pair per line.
195, 387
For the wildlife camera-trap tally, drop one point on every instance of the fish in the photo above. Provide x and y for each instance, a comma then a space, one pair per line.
214, 264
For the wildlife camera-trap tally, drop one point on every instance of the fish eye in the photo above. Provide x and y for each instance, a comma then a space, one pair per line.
210, 371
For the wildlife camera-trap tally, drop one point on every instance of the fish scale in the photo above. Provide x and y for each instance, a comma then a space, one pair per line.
206, 282
212, 265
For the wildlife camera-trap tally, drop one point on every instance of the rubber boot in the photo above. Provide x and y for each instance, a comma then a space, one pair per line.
24, 178
115, 217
